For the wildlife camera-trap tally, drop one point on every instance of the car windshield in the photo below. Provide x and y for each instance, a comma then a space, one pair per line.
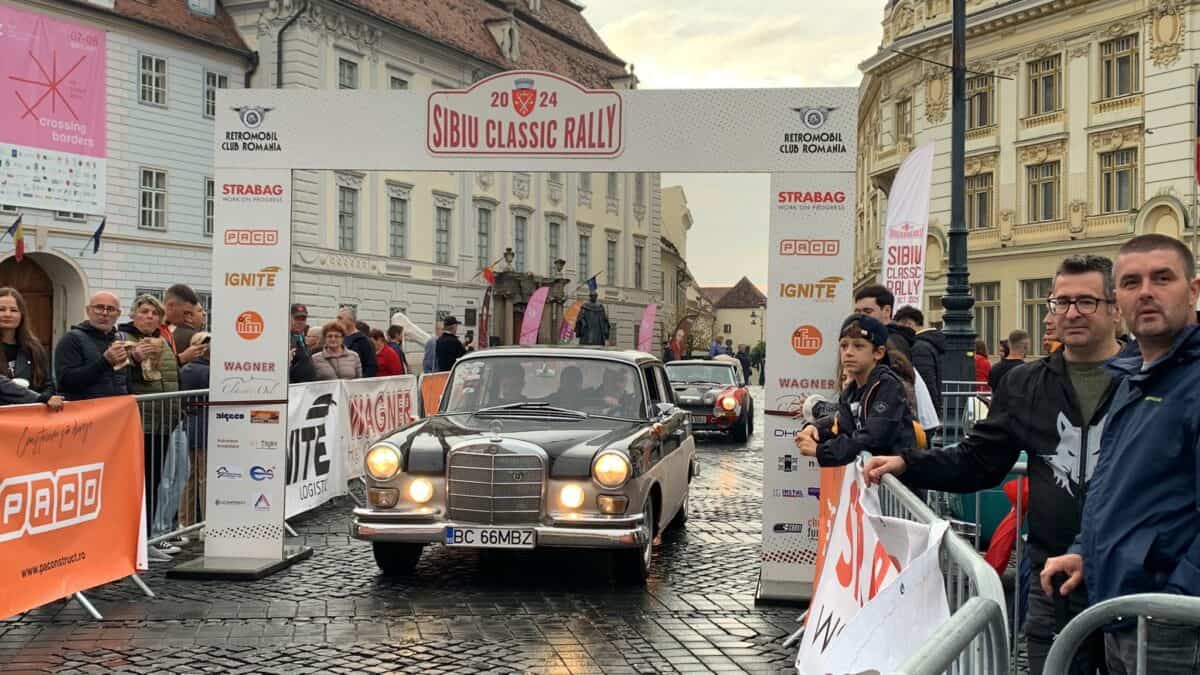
522, 385
700, 372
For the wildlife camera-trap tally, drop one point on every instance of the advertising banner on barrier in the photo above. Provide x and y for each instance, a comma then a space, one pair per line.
810, 291
71, 508
315, 462
907, 225
54, 136
375, 407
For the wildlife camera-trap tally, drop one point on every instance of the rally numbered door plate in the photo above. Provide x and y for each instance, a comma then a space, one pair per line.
699, 419
490, 537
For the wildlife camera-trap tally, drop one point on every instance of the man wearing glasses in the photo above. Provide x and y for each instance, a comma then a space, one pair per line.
1054, 408
89, 360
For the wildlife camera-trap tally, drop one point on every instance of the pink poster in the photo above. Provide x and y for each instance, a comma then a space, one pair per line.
646, 329
53, 78
533, 316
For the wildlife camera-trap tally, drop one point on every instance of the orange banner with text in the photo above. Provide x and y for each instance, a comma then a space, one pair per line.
70, 499
831, 494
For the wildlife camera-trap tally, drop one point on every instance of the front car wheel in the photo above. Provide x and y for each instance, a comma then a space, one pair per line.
633, 565
396, 559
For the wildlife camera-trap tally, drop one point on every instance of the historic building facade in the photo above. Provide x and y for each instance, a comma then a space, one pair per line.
1081, 133
417, 242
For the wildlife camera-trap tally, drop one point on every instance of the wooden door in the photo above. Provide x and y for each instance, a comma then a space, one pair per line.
34, 284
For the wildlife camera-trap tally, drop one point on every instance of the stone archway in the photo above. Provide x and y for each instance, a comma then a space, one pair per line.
55, 291
1163, 214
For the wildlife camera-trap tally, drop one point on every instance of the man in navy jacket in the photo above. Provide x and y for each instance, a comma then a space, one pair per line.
1141, 523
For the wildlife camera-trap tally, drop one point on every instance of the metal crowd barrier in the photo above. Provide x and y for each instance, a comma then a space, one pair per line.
975, 638
1175, 608
175, 431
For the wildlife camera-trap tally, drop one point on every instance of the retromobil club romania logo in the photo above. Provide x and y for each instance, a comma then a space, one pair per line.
806, 340
525, 113
249, 325
253, 138
813, 139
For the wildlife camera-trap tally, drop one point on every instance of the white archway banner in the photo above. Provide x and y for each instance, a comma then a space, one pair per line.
513, 121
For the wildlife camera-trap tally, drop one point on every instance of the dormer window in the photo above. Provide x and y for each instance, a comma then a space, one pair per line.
203, 7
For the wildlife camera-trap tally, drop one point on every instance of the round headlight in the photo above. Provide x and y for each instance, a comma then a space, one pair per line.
571, 496
728, 403
420, 490
383, 462
611, 469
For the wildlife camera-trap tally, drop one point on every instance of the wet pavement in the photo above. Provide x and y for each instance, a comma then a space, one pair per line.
461, 612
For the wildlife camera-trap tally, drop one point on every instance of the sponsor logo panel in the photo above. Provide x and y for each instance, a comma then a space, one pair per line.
810, 247
807, 340
249, 325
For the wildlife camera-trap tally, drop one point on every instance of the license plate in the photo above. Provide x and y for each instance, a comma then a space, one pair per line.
489, 537
699, 419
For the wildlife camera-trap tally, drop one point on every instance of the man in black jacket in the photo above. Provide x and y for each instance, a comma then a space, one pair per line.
449, 348
1018, 347
1056, 409
300, 367
358, 342
88, 361
928, 348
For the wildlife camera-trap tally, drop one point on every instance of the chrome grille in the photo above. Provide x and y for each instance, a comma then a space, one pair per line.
495, 487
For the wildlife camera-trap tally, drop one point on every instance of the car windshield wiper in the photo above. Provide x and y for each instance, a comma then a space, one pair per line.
703, 382
535, 406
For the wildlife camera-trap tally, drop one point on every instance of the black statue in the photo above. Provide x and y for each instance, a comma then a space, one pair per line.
592, 325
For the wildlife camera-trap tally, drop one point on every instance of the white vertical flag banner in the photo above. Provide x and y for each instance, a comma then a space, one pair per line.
810, 287
903, 268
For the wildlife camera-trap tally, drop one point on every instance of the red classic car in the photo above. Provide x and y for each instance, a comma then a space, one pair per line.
712, 394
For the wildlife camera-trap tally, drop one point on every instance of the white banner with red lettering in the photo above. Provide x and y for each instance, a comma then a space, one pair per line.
903, 270
881, 592
375, 407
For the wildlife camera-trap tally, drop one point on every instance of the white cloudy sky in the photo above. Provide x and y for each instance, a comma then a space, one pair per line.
700, 44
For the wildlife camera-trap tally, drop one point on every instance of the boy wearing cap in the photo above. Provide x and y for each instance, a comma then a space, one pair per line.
873, 412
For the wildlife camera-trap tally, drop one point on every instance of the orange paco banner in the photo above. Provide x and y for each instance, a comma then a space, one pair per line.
70, 499
831, 494
432, 386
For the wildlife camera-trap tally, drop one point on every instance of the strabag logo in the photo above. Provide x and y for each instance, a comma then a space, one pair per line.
251, 192
262, 279
525, 113
810, 247
251, 237
813, 140
254, 138
42, 502
308, 460
822, 290
811, 200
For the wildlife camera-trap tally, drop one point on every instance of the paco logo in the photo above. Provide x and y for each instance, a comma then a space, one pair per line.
49, 500
249, 325
260, 473
807, 340
810, 247
251, 237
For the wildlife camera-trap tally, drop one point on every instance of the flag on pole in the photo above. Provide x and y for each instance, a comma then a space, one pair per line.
533, 316
94, 240
592, 285
17, 231
903, 271
12, 229
489, 275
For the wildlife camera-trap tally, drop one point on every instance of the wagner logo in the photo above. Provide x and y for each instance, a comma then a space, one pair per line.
49, 500
822, 290
264, 417
264, 278
250, 366
806, 340
810, 247
249, 325
230, 416
251, 237
806, 383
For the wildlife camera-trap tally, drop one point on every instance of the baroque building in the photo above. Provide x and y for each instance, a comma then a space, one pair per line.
1081, 132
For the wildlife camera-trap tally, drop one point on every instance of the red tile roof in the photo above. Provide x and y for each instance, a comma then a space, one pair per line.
744, 295
715, 293
557, 39
174, 16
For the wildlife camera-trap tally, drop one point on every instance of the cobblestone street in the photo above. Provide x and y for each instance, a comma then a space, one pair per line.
540, 612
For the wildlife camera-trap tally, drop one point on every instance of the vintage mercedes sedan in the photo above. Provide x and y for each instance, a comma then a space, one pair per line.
712, 393
535, 447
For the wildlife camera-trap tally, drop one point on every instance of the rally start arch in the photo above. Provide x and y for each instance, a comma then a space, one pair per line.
527, 121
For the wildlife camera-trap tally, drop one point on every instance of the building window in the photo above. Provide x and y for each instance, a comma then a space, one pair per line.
1043, 191
213, 82
153, 292
553, 243
904, 120
398, 227
153, 89
728, 328
73, 216
980, 95
520, 224
611, 263
1033, 309
1119, 67
206, 303
398, 83
153, 210
585, 182
347, 217
585, 257
210, 190
987, 313
347, 74
483, 242
979, 201
1118, 176
612, 184
639, 253
1045, 88
442, 239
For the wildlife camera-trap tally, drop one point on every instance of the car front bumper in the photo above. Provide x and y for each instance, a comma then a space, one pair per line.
711, 422
580, 532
